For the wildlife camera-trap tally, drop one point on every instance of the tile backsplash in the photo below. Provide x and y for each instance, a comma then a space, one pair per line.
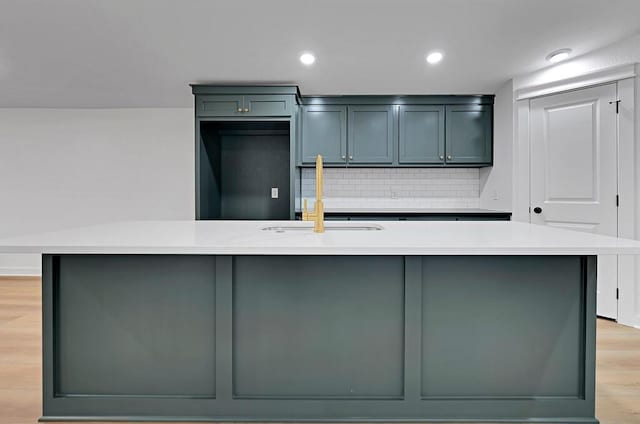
396, 187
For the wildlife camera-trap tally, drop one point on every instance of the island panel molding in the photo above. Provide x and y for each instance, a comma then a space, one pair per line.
311, 334
319, 338
113, 319
530, 365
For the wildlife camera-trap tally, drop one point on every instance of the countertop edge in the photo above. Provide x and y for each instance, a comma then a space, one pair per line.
328, 251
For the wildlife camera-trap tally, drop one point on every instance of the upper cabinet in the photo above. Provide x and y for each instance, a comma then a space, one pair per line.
324, 132
404, 131
254, 105
421, 136
219, 105
469, 138
245, 101
265, 105
348, 135
364, 131
371, 134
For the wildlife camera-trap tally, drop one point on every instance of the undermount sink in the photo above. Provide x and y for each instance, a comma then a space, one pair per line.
327, 227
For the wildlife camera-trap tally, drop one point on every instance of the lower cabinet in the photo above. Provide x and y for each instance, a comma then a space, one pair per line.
435, 217
439, 216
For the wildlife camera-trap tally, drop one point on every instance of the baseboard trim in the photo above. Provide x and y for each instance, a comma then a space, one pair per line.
20, 272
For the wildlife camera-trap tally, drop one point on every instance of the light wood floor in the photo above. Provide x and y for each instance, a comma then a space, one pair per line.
618, 363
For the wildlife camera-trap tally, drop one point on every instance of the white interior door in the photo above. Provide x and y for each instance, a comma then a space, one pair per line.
574, 172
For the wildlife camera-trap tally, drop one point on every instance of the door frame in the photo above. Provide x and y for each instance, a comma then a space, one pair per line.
627, 78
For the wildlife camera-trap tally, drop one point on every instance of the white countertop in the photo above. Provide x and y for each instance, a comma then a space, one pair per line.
247, 237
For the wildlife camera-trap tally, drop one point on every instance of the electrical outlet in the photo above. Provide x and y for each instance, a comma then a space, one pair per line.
274, 192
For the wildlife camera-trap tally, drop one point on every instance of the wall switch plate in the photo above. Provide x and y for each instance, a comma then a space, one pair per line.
274, 192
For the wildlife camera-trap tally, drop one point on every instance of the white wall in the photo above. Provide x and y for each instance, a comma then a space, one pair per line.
70, 167
623, 52
496, 181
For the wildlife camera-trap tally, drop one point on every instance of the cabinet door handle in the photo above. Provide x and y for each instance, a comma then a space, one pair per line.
350, 157
537, 210
246, 109
344, 157
449, 157
441, 157
239, 109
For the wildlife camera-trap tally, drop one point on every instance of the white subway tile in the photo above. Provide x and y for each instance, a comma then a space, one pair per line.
376, 186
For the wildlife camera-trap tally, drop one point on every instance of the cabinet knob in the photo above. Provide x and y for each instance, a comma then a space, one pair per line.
350, 157
449, 157
239, 109
246, 109
537, 210
441, 157
344, 157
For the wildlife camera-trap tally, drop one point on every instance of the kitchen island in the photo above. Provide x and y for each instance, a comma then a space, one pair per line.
268, 321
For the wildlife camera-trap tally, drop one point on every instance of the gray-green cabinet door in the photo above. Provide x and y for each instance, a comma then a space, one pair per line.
268, 105
469, 134
371, 134
219, 105
324, 131
421, 135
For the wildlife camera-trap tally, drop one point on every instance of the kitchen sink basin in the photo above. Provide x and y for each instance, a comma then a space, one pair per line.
327, 227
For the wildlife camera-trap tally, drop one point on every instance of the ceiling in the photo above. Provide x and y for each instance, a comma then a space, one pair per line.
143, 53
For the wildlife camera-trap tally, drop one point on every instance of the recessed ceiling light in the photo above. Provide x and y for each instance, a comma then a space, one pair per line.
434, 57
307, 59
558, 55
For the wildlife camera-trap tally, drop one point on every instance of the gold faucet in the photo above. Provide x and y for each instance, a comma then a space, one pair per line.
318, 213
